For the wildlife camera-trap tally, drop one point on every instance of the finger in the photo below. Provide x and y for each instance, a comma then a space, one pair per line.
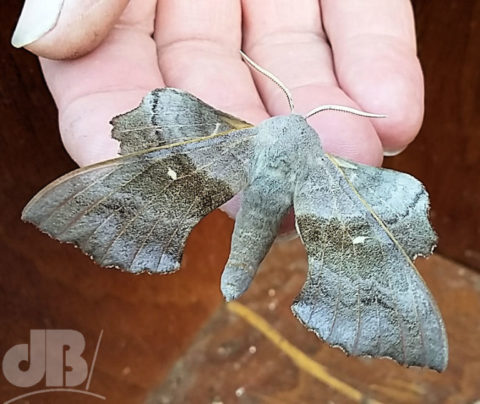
63, 29
287, 39
111, 80
201, 55
198, 50
374, 50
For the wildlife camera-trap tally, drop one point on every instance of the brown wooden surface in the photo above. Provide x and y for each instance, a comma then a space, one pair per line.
149, 321
231, 361
446, 154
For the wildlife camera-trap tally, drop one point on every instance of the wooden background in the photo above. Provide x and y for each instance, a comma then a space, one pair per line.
446, 155
150, 321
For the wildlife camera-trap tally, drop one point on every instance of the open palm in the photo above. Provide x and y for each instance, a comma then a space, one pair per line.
358, 53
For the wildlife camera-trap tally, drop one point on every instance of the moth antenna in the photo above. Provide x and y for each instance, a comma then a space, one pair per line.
271, 77
341, 108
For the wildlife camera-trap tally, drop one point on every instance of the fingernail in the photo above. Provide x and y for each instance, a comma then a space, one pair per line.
393, 152
37, 18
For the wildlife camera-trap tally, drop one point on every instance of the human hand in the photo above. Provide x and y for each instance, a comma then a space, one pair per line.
115, 51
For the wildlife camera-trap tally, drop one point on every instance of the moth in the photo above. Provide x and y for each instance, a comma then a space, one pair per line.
362, 226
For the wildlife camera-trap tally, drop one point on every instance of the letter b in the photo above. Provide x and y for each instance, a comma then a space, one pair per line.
70, 343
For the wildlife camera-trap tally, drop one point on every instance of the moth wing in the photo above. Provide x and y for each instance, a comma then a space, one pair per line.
362, 291
403, 207
169, 116
135, 212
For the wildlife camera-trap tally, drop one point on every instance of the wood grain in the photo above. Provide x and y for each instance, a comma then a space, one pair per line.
251, 367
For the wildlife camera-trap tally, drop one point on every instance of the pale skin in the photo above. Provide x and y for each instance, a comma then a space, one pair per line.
368, 62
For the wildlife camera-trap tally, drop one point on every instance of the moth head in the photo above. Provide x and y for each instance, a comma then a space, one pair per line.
288, 94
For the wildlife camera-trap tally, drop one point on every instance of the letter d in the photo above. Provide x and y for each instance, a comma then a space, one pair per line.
18, 354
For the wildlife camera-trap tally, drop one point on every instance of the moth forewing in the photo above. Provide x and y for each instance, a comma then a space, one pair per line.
362, 291
131, 212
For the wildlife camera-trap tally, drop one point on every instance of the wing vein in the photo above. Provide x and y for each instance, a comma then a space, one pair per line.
90, 207
182, 220
79, 192
335, 313
400, 322
359, 318
420, 328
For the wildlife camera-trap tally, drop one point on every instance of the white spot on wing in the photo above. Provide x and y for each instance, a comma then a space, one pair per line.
217, 127
359, 239
172, 174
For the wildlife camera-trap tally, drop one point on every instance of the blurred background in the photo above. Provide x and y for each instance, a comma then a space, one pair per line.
172, 339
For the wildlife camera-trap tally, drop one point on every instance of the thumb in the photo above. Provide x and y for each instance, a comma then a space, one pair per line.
65, 29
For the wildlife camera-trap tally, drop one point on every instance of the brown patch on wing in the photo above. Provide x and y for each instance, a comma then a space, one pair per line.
136, 212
